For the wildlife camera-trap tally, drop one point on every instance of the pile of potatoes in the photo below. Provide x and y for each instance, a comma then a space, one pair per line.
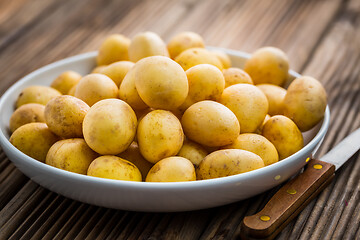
166, 113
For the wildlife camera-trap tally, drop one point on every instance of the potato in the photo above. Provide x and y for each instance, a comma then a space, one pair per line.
210, 123
284, 134
223, 57
34, 139
172, 169
192, 151
132, 154
268, 65
27, 113
228, 162
206, 82
98, 69
114, 48
146, 44
72, 155
117, 71
159, 135
248, 103
64, 116
36, 94
260, 128
182, 41
72, 91
161, 82
113, 167
109, 126
257, 144
95, 87
129, 93
196, 56
234, 76
305, 102
275, 96
65, 81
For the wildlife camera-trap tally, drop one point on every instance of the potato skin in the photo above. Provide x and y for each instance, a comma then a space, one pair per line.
275, 96
305, 102
109, 126
114, 167
223, 57
249, 104
95, 87
206, 82
27, 113
193, 152
34, 139
159, 135
268, 65
210, 123
146, 44
284, 134
64, 116
65, 81
182, 41
172, 169
228, 162
72, 155
161, 82
117, 71
234, 76
257, 144
36, 94
114, 48
196, 56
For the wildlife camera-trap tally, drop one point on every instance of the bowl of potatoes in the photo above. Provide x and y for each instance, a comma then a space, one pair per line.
142, 125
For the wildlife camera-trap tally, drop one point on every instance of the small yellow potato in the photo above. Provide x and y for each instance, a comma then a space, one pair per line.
172, 169
132, 154
228, 162
117, 71
260, 128
211, 124
114, 48
129, 93
257, 144
159, 135
27, 113
72, 155
98, 69
206, 82
192, 151
275, 96
109, 127
268, 65
196, 56
36, 94
161, 82
34, 139
236, 75
114, 167
305, 102
72, 91
248, 103
284, 134
223, 57
182, 41
65, 81
64, 116
95, 87
146, 44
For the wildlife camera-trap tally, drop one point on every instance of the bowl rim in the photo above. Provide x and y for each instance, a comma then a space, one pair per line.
153, 185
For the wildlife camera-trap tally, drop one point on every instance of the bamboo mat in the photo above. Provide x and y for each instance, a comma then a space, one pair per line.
321, 38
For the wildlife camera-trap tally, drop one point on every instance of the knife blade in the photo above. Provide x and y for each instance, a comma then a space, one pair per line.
288, 202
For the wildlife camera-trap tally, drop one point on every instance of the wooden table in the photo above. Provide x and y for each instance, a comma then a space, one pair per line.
321, 38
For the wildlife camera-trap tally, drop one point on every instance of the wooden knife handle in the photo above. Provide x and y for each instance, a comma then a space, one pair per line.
288, 201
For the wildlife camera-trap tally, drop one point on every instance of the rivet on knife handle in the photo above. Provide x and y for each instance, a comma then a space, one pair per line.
287, 201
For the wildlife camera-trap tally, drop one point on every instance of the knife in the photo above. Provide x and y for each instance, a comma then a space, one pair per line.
293, 197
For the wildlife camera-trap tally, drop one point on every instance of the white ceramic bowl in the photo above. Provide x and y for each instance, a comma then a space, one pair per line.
143, 196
